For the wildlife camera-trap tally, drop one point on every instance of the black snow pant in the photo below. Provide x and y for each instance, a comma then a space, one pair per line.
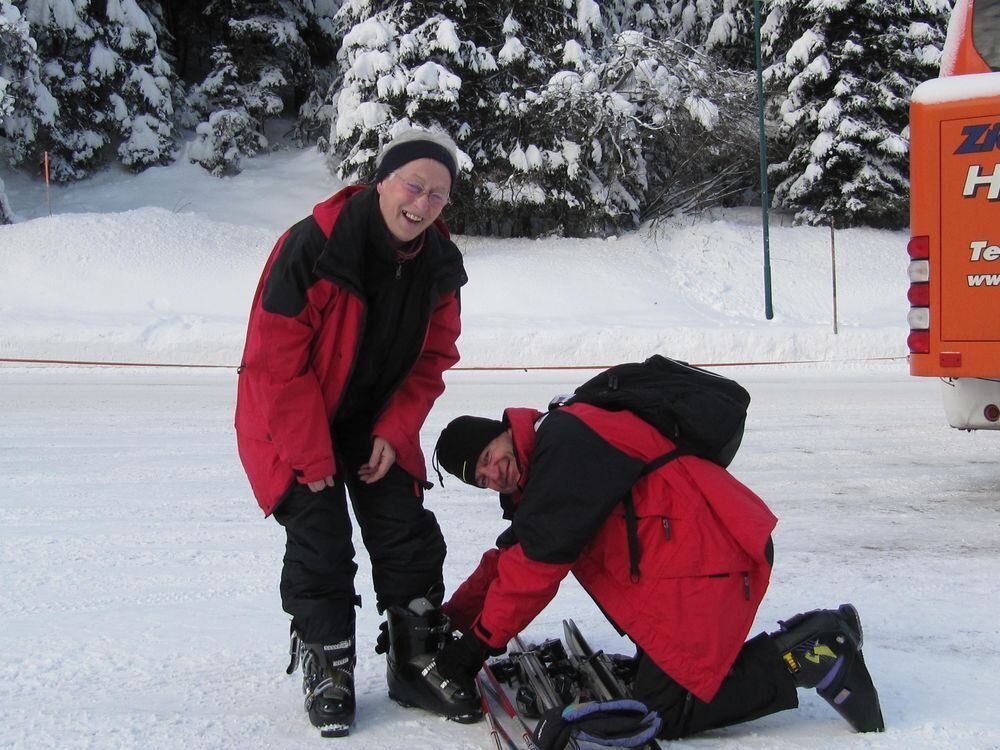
758, 684
403, 540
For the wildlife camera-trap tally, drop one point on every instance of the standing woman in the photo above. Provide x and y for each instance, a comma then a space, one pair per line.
352, 326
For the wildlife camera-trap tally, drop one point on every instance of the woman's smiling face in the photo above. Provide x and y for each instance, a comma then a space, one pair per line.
413, 196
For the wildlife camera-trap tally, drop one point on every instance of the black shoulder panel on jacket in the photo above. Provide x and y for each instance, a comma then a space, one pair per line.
446, 259
575, 481
292, 272
507, 538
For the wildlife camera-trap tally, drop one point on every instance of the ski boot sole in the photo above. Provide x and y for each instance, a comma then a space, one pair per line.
334, 730
469, 718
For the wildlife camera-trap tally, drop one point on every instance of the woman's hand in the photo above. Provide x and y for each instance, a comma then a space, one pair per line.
383, 456
321, 484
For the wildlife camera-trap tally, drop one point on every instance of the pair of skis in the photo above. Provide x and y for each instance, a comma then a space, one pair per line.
550, 676
597, 670
537, 694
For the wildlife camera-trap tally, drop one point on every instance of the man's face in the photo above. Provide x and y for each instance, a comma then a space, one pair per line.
413, 196
497, 466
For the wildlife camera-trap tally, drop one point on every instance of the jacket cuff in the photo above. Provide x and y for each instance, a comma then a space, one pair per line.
316, 472
495, 644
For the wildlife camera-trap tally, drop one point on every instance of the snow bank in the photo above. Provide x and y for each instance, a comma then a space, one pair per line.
152, 285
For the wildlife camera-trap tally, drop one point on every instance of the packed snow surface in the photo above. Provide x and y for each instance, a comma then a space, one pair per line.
139, 597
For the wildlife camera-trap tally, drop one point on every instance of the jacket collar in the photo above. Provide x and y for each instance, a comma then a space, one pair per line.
522, 422
326, 213
345, 220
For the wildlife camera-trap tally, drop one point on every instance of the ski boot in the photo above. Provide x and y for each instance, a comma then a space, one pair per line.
328, 683
822, 650
416, 633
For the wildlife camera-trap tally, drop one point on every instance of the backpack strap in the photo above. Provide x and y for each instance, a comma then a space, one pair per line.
663, 460
632, 522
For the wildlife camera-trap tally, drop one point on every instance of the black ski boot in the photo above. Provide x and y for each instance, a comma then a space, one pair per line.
328, 683
416, 633
822, 650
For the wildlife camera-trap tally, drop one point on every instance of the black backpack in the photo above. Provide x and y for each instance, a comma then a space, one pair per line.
701, 412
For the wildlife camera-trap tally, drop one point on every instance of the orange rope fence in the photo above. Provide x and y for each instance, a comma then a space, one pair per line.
512, 368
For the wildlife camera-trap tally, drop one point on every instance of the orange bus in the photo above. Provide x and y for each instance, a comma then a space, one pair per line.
954, 246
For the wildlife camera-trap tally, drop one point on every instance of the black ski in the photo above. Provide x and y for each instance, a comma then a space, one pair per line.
597, 670
532, 669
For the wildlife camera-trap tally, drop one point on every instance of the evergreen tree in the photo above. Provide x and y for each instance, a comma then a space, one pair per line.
6, 213
261, 67
79, 129
403, 64
231, 132
517, 88
323, 36
6, 96
689, 21
648, 17
845, 70
542, 152
693, 118
721, 28
141, 86
25, 103
730, 38
108, 85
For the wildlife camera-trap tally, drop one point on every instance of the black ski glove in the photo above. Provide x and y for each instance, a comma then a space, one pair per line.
460, 660
619, 723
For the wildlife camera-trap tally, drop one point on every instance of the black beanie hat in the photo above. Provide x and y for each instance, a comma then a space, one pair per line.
411, 150
462, 442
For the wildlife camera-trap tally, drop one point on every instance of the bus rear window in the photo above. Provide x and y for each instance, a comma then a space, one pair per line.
986, 31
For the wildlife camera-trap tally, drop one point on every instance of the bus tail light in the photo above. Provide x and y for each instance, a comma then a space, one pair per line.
919, 294
919, 247
919, 342
919, 318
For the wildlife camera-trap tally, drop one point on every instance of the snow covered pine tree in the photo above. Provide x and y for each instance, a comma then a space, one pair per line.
402, 66
108, 85
842, 72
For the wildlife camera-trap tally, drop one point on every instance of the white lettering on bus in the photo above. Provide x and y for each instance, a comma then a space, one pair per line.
975, 179
983, 250
984, 279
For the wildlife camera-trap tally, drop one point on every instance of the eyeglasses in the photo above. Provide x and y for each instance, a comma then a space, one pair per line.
436, 200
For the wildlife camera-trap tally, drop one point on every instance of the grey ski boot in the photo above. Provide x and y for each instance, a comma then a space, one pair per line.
416, 633
822, 650
328, 683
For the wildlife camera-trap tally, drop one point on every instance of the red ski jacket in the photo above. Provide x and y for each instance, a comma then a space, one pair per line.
703, 568
303, 336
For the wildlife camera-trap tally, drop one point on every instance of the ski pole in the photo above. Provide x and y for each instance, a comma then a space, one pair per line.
508, 707
494, 725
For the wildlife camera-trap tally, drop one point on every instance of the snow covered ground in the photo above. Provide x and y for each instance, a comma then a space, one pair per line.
139, 604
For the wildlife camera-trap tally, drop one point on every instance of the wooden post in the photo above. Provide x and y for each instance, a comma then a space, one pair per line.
48, 198
833, 265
